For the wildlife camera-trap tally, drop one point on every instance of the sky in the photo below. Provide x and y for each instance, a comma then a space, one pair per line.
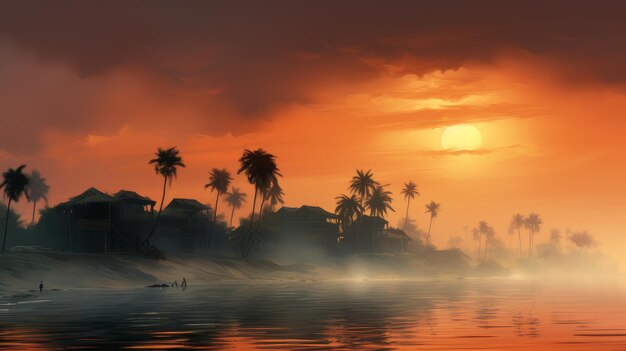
89, 90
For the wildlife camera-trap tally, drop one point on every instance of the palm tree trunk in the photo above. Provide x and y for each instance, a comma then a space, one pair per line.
519, 236
530, 243
232, 213
6, 226
244, 243
34, 206
480, 239
356, 243
156, 220
254, 237
406, 218
214, 219
429, 226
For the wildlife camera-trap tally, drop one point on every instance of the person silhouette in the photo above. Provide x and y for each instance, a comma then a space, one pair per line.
183, 284
40, 286
175, 283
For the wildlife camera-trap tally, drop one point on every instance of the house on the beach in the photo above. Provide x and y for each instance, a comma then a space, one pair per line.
305, 226
184, 226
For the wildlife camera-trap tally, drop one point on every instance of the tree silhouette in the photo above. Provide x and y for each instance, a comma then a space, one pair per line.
15, 184
433, 209
275, 194
37, 190
378, 203
517, 223
235, 199
409, 192
348, 210
533, 223
166, 164
219, 180
261, 170
363, 184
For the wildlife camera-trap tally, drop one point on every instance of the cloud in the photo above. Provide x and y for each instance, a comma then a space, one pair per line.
228, 66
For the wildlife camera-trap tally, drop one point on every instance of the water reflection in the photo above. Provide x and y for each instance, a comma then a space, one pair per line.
316, 316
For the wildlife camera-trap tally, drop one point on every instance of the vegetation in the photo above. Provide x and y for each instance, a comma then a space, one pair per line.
235, 199
166, 164
37, 190
533, 224
433, 209
517, 223
14, 185
348, 210
363, 184
261, 170
409, 192
219, 181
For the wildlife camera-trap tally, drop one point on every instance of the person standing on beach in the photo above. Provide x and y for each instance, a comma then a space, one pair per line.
40, 286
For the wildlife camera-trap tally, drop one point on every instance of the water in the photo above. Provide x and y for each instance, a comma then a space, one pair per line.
376, 315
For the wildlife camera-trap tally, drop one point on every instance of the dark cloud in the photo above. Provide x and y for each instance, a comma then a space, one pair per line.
249, 57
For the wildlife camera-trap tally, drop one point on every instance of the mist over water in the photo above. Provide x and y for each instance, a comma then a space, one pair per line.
334, 315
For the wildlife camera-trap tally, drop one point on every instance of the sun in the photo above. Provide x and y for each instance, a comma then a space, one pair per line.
461, 137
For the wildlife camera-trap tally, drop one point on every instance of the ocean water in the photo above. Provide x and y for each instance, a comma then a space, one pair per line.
492, 314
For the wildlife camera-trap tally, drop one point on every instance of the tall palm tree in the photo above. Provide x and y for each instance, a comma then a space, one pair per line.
363, 184
533, 224
409, 192
275, 194
348, 210
433, 209
477, 236
235, 199
219, 180
483, 230
15, 185
517, 223
261, 170
379, 202
37, 190
166, 164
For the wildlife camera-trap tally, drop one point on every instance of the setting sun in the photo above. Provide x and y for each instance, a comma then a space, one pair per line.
461, 137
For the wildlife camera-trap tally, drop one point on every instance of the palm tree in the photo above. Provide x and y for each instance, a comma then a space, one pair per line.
235, 199
363, 184
15, 185
409, 191
261, 170
348, 209
433, 209
37, 190
219, 180
533, 224
275, 194
477, 236
379, 202
166, 165
517, 222
483, 229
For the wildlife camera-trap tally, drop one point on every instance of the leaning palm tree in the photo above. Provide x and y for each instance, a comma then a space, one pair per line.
433, 209
409, 192
37, 190
348, 210
363, 184
533, 224
235, 199
219, 180
378, 203
261, 170
166, 165
517, 223
15, 184
275, 194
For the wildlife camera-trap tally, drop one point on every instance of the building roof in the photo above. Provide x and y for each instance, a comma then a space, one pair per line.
372, 219
305, 209
131, 196
89, 196
397, 233
187, 204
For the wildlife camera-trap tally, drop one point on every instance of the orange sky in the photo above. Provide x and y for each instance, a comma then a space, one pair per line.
327, 98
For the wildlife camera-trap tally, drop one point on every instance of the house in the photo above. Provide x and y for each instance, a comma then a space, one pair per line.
305, 225
184, 225
373, 234
94, 221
